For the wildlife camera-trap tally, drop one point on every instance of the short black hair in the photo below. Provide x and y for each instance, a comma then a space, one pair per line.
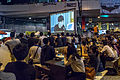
104, 42
36, 41
60, 18
0, 64
20, 51
41, 33
62, 34
21, 35
12, 34
58, 35
72, 34
67, 34
49, 33
45, 40
32, 34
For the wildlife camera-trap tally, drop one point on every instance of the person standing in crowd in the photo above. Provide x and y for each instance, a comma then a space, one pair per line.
22, 70
22, 39
35, 51
69, 39
58, 41
41, 38
64, 39
31, 40
95, 30
76, 39
6, 75
51, 39
11, 44
47, 53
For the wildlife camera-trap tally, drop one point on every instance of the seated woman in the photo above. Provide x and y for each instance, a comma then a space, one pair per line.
93, 54
75, 66
21, 70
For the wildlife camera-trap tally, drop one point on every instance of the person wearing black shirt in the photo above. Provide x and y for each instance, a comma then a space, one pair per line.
59, 41
22, 39
47, 53
64, 39
31, 40
22, 70
51, 39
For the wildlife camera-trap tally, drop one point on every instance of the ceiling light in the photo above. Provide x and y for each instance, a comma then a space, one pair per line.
30, 18
98, 16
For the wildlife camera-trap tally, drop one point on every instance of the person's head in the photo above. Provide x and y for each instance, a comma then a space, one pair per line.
20, 51
41, 33
0, 64
84, 43
60, 21
62, 34
36, 41
12, 34
72, 34
67, 34
76, 35
45, 41
32, 34
104, 42
21, 35
49, 34
58, 35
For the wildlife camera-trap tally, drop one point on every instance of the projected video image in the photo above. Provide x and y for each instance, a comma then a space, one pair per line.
61, 22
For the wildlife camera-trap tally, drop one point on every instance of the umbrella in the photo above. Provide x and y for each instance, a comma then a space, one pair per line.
1, 32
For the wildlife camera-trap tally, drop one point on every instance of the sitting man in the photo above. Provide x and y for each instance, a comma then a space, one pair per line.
22, 70
47, 53
6, 76
108, 53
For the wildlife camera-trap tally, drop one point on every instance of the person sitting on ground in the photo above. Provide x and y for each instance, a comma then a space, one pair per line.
75, 66
58, 41
32, 52
11, 44
6, 75
41, 38
107, 53
22, 70
93, 54
47, 53
22, 39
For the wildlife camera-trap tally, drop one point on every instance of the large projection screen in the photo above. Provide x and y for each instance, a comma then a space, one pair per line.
62, 22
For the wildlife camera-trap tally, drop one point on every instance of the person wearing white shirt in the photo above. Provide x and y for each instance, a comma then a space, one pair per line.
41, 38
35, 51
109, 50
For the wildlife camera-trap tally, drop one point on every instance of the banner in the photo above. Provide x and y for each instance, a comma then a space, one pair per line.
110, 6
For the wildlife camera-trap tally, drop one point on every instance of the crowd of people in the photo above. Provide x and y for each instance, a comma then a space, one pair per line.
41, 48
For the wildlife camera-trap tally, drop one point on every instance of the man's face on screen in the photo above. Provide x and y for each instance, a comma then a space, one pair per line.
60, 24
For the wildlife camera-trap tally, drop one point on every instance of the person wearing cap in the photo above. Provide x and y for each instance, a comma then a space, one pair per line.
6, 75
